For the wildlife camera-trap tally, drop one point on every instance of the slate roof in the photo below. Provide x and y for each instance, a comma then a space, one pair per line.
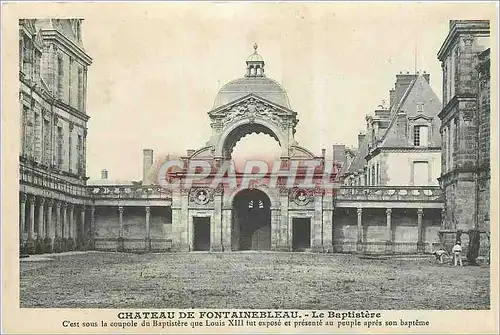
418, 90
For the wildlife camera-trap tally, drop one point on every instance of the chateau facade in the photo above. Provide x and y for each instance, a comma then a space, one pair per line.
388, 199
465, 129
53, 78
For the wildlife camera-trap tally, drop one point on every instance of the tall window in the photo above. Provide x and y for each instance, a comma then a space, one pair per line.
60, 77
60, 140
80, 90
80, 155
420, 136
38, 138
46, 141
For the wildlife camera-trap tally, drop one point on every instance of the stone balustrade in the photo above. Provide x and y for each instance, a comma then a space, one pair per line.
390, 193
38, 178
128, 192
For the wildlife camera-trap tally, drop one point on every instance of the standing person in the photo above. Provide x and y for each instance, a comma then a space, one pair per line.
457, 253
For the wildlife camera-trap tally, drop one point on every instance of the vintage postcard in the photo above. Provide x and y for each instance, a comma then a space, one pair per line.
249, 167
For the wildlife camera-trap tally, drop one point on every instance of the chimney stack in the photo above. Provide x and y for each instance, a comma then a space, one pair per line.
323, 152
147, 162
339, 153
402, 83
392, 97
361, 137
104, 174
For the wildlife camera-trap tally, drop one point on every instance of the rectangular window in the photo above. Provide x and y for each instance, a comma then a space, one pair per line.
420, 173
37, 138
420, 107
60, 141
60, 77
420, 136
80, 90
80, 155
46, 141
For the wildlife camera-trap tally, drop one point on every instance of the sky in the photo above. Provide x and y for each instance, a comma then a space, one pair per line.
156, 72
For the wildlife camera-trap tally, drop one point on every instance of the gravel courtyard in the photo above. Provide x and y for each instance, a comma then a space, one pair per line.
249, 280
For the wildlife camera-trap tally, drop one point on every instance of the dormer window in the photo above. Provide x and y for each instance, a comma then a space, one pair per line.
421, 136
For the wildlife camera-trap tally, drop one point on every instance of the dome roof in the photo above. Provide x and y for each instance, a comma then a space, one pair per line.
255, 57
264, 87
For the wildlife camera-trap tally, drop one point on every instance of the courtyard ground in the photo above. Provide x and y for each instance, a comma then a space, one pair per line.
249, 280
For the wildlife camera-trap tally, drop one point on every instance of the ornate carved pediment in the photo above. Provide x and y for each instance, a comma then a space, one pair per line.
252, 108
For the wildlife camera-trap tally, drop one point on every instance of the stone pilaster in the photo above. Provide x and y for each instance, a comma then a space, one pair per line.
216, 225
328, 222
176, 219
70, 229
50, 231
31, 222
22, 219
57, 230
420, 242
388, 243
274, 228
64, 227
92, 227
226, 229
284, 243
41, 220
148, 232
359, 243
317, 223
183, 225
121, 243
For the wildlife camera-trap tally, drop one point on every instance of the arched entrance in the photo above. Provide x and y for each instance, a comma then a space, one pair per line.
251, 221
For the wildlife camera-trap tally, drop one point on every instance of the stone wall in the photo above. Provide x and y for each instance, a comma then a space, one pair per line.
107, 229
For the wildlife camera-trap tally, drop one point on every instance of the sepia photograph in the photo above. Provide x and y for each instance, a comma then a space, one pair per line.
253, 161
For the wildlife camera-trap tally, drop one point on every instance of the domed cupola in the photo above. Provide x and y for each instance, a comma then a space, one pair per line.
255, 64
254, 82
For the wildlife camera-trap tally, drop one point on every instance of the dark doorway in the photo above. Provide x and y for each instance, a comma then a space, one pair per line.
301, 234
201, 233
251, 227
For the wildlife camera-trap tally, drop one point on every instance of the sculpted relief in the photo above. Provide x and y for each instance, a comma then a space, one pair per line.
252, 109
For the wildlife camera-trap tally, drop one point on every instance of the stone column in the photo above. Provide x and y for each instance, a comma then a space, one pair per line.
420, 242
359, 244
22, 220
31, 222
216, 225
57, 230
317, 224
71, 241
71, 226
148, 233
92, 227
64, 227
328, 221
41, 214
49, 232
283, 243
388, 243
82, 227
120, 221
